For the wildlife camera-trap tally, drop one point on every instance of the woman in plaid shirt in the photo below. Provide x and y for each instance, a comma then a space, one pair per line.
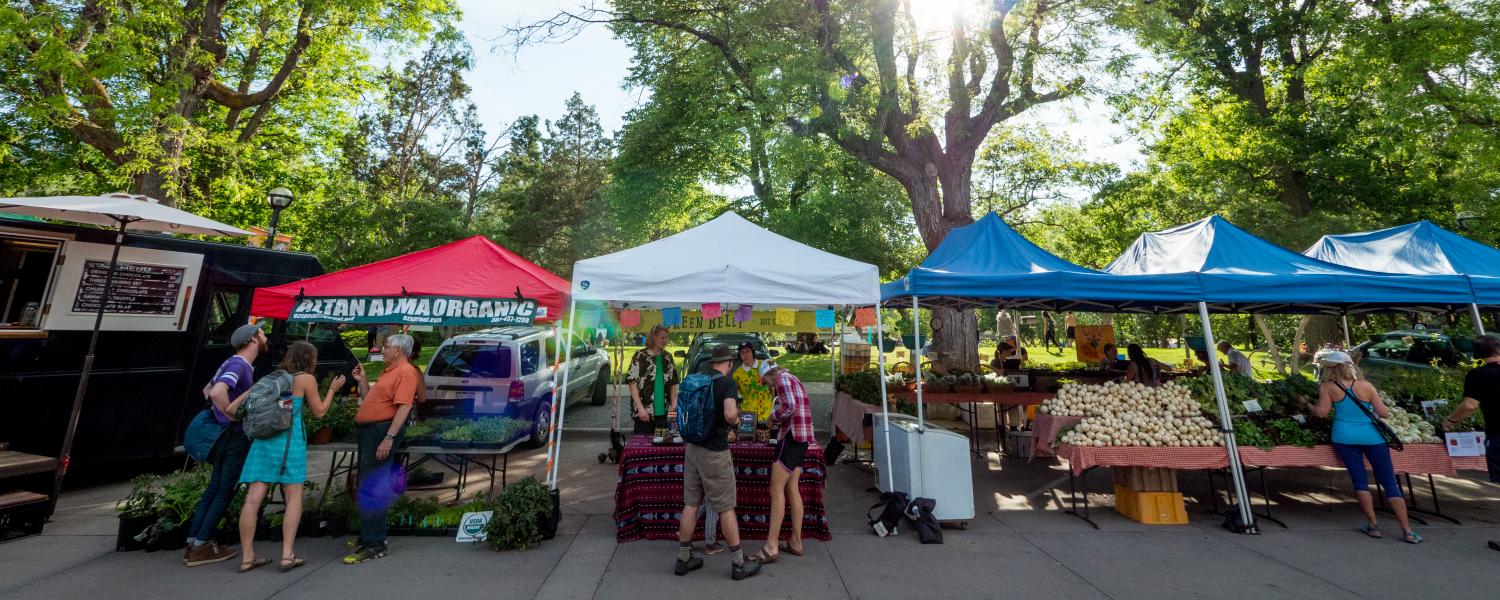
792, 414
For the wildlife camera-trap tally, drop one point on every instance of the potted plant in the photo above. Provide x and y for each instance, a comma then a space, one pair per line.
943, 385
898, 383
458, 437
996, 384
522, 512
138, 510
340, 419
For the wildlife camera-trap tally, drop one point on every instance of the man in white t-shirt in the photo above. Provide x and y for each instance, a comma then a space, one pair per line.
1238, 362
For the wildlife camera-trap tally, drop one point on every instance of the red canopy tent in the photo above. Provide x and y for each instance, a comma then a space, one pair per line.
473, 268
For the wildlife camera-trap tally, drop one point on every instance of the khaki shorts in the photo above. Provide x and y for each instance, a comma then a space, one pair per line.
705, 472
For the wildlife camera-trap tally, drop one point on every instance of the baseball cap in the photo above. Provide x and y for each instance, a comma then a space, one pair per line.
766, 367
243, 335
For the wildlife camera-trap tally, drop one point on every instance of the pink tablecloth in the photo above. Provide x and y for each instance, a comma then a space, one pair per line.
849, 416
1044, 432
1081, 458
1421, 459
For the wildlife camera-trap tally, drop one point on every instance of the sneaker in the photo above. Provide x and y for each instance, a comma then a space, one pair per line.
749, 569
689, 565
365, 554
208, 554
187, 553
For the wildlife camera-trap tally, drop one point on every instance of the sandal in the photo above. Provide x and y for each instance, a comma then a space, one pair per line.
246, 567
1411, 537
1371, 531
763, 557
787, 548
292, 562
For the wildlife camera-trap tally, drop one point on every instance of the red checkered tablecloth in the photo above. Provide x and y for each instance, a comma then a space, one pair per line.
1081, 458
1421, 459
1469, 463
648, 494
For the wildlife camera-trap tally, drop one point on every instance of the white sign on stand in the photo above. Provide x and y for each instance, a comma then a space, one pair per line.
1465, 443
471, 527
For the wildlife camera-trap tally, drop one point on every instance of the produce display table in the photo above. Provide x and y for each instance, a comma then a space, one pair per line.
1044, 432
458, 460
969, 405
1084, 459
648, 494
1417, 459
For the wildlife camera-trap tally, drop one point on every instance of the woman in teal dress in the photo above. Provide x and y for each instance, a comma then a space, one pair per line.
282, 459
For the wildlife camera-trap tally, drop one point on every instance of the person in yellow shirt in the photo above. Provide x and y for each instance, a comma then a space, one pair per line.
755, 397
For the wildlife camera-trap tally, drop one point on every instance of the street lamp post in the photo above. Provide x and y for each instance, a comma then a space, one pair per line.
279, 198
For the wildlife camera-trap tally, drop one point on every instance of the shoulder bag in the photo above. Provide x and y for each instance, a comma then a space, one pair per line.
1386, 433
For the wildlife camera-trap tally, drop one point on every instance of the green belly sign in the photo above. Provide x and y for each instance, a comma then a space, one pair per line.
417, 310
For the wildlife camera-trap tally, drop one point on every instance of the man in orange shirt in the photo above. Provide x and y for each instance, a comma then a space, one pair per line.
381, 416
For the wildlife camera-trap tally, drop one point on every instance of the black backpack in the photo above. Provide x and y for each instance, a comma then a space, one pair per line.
890, 516
920, 513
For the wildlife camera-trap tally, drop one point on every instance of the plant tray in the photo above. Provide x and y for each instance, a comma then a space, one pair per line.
489, 445
454, 444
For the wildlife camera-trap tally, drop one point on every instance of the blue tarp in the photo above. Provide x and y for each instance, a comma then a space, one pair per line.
988, 263
1420, 248
1243, 273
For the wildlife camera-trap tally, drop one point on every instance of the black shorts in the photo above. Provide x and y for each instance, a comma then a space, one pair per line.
790, 452
1070, 333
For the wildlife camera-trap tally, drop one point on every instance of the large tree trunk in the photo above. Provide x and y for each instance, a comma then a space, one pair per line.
937, 212
1265, 332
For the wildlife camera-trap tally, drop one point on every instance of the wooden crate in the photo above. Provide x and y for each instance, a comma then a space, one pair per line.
1146, 479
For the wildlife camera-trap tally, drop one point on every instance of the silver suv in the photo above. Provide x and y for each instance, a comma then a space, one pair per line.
507, 372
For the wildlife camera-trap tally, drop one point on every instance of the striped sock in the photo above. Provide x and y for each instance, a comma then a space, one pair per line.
684, 551
737, 555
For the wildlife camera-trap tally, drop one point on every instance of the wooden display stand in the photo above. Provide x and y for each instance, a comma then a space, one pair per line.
856, 358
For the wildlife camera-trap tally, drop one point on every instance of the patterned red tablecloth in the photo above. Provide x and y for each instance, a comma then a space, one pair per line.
1081, 458
648, 494
1421, 459
1469, 463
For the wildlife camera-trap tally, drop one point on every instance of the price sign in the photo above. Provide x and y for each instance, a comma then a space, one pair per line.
137, 289
1251, 406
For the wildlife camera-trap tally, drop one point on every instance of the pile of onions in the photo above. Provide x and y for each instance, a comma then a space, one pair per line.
1131, 414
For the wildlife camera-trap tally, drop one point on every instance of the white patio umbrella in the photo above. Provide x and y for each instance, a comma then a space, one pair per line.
120, 212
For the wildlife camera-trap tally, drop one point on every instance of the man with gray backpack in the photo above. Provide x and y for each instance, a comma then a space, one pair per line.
707, 404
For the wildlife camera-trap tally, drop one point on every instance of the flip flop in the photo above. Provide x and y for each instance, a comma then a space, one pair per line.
763, 558
293, 562
246, 567
787, 548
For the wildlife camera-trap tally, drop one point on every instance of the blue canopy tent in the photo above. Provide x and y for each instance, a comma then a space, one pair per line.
1243, 273
988, 263
1420, 248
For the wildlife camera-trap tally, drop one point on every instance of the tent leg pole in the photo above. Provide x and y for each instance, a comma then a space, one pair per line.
559, 408
916, 319
1242, 496
1347, 345
66, 455
885, 405
1478, 321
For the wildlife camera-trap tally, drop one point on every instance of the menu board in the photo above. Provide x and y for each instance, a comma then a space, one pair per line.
137, 289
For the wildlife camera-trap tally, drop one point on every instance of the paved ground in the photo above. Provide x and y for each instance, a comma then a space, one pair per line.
1021, 545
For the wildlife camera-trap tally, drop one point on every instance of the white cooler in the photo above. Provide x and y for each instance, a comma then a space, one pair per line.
941, 471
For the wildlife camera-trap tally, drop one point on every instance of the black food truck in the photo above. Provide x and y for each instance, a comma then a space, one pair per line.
165, 332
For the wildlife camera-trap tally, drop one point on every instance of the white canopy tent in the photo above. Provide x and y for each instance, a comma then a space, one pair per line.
706, 264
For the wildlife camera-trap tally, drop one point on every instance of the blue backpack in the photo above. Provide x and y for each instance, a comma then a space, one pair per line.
695, 407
